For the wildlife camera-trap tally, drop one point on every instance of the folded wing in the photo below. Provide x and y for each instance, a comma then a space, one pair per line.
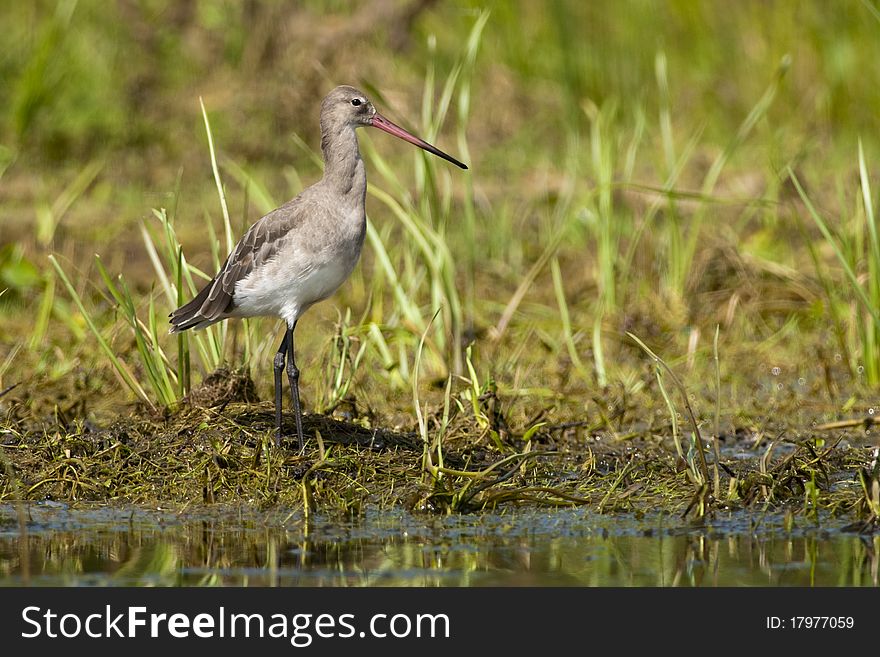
216, 300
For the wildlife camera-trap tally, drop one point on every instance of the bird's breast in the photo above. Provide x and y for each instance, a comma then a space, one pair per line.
315, 262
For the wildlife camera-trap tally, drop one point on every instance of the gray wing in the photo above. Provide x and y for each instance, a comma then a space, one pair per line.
258, 245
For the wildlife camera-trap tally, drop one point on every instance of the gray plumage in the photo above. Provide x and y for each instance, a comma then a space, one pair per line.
316, 237
302, 252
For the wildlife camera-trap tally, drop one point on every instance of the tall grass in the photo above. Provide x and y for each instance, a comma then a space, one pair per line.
168, 379
428, 276
601, 173
424, 215
856, 247
681, 261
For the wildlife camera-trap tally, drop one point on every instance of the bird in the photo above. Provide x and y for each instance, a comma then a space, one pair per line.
303, 251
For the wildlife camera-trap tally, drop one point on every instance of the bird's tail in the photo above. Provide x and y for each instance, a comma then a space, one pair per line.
189, 315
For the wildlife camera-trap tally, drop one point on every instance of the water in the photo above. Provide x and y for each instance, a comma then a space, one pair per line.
570, 547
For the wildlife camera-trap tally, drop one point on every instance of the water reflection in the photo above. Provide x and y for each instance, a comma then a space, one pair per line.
102, 546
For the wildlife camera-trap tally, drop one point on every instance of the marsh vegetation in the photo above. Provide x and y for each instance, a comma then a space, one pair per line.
658, 288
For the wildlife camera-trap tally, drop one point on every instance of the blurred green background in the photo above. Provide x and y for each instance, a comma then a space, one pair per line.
630, 171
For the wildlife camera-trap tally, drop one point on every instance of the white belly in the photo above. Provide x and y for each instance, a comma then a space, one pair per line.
298, 277
286, 290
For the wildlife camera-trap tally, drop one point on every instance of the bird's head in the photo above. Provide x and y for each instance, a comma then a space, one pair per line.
348, 107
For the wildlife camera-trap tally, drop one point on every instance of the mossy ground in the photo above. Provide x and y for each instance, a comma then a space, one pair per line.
618, 184
217, 449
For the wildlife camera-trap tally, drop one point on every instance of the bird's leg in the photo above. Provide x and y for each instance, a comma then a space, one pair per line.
293, 379
280, 357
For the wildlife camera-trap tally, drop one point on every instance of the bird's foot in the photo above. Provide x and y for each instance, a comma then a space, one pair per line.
296, 438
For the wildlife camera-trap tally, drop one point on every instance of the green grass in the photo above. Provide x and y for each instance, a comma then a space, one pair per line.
666, 170
857, 250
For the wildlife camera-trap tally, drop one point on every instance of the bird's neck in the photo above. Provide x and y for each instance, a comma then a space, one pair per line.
343, 168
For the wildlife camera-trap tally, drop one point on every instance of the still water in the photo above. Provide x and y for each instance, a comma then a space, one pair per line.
105, 546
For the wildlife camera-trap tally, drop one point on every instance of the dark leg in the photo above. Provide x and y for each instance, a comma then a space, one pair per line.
293, 380
280, 357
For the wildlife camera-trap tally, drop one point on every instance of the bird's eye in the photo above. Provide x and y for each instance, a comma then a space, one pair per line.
356, 101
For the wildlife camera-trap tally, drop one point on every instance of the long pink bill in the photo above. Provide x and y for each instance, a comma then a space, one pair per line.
382, 123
